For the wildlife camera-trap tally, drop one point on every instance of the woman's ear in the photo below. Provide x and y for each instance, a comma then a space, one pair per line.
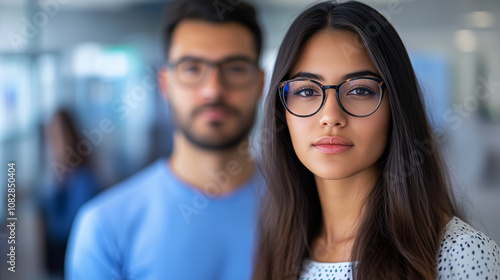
163, 82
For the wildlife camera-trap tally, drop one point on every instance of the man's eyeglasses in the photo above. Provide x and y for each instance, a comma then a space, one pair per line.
234, 72
358, 97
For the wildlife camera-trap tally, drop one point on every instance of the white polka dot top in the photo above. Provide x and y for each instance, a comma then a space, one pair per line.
465, 253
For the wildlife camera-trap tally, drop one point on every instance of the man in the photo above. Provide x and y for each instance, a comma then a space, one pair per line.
192, 216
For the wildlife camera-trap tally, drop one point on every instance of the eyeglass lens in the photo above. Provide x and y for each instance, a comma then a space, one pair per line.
234, 72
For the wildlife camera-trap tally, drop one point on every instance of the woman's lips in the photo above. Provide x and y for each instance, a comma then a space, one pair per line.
332, 149
332, 144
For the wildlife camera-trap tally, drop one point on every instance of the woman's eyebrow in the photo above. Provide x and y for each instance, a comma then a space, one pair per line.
318, 77
358, 74
308, 75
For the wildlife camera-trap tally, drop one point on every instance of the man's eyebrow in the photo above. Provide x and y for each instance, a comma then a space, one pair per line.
313, 76
229, 57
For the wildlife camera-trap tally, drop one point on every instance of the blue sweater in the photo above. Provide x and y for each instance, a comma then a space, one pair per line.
155, 226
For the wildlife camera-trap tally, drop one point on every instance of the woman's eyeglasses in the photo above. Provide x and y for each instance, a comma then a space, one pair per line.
358, 97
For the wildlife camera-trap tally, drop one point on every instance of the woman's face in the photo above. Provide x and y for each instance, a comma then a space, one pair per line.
333, 144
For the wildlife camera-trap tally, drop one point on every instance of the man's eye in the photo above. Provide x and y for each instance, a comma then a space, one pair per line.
237, 69
192, 68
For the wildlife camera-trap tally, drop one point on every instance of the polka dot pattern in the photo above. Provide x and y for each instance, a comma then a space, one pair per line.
465, 253
326, 271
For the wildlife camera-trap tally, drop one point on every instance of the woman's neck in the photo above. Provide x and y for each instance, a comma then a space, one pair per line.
342, 204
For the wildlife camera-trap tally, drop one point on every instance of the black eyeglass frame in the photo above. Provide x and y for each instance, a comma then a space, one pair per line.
214, 64
282, 85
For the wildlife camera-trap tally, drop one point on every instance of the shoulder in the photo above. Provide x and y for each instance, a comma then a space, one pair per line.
134, 190
467, 253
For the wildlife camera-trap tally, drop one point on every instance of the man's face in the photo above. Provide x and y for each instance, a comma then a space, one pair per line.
213, 113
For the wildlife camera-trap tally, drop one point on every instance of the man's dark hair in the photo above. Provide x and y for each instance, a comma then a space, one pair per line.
216, 11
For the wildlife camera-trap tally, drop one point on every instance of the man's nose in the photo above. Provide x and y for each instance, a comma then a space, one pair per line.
213, 87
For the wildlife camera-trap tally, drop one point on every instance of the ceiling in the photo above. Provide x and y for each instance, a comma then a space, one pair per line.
123, 4
425, 17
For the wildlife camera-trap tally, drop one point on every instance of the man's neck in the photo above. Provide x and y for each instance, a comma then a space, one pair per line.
211, 171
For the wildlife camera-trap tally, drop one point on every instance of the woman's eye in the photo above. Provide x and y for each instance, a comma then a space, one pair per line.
306, 93
361, 92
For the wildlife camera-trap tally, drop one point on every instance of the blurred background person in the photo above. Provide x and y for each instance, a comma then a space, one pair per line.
192, 215
68, 188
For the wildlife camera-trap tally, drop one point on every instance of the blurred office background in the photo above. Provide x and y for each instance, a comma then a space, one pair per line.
99, 60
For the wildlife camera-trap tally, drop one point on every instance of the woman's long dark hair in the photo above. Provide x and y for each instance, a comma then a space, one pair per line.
405, 212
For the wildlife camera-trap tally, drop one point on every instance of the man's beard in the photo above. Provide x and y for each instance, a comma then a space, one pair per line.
227, 143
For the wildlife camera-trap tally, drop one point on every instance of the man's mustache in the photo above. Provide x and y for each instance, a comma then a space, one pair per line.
218, 105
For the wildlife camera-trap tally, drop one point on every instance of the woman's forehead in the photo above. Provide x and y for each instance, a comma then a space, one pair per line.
332, 54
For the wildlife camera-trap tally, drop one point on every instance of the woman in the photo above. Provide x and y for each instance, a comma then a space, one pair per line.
67, 186
356, 186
